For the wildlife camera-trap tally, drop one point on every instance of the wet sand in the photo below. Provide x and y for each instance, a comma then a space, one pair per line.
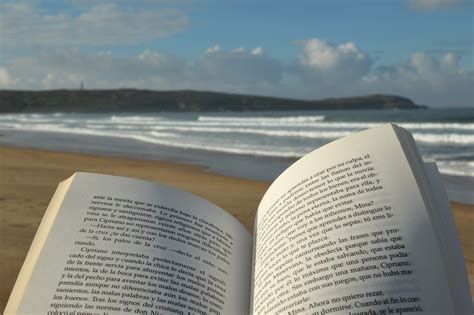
29, 177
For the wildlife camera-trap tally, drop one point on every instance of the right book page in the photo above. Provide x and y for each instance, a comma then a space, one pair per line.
345, 230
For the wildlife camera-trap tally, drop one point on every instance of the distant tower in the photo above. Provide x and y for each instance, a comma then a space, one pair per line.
82, 85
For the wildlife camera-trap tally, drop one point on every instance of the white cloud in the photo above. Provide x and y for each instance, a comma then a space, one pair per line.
25, 25
213, 49
323, 70
68, 68
333, 62
430, 5
426, 79
237, 70
321, 55
257, 51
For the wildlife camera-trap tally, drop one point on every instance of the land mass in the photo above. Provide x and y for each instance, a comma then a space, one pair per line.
133, 100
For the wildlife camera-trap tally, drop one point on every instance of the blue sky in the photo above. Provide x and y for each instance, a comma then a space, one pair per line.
422, 49
386, 28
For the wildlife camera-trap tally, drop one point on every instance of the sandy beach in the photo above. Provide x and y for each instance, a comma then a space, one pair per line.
29, 178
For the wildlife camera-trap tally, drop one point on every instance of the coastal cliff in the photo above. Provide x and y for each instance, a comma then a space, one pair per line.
132, 100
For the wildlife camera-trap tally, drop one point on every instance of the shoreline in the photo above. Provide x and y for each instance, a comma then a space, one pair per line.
29, 178
253, 167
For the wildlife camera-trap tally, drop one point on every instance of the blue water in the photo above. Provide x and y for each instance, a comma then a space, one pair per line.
446, 135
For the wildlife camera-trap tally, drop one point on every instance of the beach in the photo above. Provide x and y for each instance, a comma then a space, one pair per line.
29, 178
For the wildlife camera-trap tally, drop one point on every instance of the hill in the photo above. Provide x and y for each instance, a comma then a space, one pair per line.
131, 100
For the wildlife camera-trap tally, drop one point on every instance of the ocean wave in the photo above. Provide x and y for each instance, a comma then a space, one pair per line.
233, 149
319, 121
409, 126
315, 121
460, 164
463, 139
352, 127
263, 119
115, 127
55, 128
274, 133
465, 168
134, 119
162, 138
425, 138
420, 137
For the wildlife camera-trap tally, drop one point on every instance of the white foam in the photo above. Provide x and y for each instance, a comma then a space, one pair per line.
234, 149
135, 119
318, 121
420, 137
88, 131
274, 133
409, 126
444, 138
459, 168
262, 119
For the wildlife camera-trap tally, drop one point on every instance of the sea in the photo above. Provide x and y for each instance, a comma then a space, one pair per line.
256, 145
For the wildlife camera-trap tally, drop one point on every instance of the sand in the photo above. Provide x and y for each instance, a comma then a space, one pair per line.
28, 179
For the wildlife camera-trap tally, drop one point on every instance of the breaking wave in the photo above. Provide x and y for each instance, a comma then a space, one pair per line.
289, 136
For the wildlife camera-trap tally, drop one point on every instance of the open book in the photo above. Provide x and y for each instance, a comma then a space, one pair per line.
359, 226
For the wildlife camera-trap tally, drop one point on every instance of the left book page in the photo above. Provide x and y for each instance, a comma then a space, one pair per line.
111, 245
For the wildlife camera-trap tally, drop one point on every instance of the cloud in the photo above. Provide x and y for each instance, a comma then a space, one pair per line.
237, 70
321, 55
426, 79
330, 63
430, 5
257, 51
321, 70
24, 25
68, 68
213, 49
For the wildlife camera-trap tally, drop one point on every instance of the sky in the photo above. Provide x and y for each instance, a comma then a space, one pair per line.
421, 49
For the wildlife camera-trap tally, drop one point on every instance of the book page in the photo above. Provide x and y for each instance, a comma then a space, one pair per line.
457, 272
36, 247
120, 245
345, 230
